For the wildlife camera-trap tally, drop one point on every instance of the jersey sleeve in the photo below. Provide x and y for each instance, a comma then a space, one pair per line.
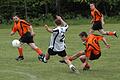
98, 37
65, 28
25, 23
98, 13
14, 29
55, 30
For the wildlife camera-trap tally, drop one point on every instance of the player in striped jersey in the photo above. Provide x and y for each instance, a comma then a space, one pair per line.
57, 42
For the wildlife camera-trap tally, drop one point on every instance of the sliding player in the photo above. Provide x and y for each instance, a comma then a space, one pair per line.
92, 51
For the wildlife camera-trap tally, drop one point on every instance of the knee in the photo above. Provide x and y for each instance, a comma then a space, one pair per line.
82, 57
103, 33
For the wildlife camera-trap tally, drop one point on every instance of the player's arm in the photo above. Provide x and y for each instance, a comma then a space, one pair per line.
31, 30
12, 33
13, 30
48, 29
105, 42
102, 19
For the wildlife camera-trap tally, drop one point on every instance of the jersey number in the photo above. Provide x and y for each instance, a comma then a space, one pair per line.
62, 39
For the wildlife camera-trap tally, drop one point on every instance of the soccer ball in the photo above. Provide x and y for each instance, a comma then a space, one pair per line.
16, 43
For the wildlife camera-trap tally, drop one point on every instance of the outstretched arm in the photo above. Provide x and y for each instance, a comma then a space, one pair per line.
63, 22
48, 29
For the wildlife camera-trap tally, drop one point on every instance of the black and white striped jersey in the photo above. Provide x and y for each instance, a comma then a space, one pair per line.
57, 42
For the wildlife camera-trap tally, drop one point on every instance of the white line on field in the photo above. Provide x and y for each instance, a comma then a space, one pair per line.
32, 77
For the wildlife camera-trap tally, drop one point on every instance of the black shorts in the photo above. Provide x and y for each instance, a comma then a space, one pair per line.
61, 53
27, 38
97, 25
94, 57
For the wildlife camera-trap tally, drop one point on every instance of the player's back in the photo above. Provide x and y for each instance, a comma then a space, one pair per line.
93, 41
58, 38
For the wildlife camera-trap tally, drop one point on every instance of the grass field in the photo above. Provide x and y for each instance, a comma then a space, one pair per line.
106, 68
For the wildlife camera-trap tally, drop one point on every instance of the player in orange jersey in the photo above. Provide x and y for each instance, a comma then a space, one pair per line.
92, 51
98, 21
26, 33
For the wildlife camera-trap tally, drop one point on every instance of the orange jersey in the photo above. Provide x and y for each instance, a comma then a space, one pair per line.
96, 15
21, 26
92, 44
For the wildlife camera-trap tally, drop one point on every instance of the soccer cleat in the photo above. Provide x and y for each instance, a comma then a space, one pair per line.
20, 58
62, 61
42, 58
73, 69
115, 34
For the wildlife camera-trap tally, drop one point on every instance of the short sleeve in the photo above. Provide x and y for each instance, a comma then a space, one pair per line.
14, 29
55, 29
65, 28
99, 38
25, 24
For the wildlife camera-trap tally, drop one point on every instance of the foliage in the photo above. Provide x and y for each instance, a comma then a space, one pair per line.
34, 9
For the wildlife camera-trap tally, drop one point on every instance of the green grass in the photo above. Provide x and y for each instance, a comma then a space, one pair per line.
106, 68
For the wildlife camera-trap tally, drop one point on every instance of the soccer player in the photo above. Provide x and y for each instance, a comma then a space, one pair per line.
98, 21
57, 42
26, 33
92, 51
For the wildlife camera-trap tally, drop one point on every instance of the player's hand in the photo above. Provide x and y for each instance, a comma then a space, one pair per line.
58, 17
32, 33
103, 22
91, 21
46, 26
107, 46
12, 33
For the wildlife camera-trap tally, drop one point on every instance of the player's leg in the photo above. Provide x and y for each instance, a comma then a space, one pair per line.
20, 51
73, 57
49, 53
47, 56
67, 61
81, 55
39, 52
70, 65
91, 31
107, 32
77, 55
85, 64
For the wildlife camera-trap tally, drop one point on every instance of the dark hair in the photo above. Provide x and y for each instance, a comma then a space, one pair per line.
83, 34
93, 3
58, 22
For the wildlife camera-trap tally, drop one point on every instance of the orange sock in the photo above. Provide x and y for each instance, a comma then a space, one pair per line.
20, 50
38, 51
110, 33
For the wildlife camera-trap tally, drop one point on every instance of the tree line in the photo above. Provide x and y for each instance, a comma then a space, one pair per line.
69, 8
